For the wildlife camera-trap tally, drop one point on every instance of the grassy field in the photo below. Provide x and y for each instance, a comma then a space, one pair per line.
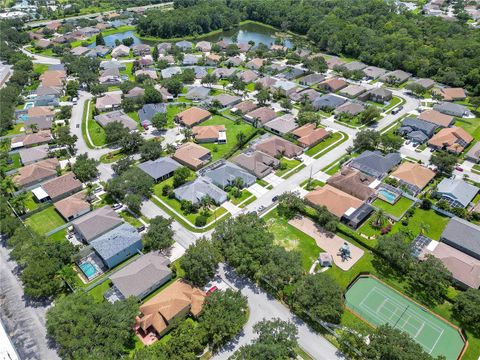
173, 110
317, 150
288, 165
132, 220
31, 204
396, 209
472, 126
233, 130
97, 134
16, 163
245, 194
45, 220
16, 129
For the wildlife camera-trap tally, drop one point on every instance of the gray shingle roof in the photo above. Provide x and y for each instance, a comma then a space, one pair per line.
460, 190
451, 109
426, 127
331, 101
375, 163
463, 235
147, 112
115, 241
227, 173
97, 222
196, 190
160, 167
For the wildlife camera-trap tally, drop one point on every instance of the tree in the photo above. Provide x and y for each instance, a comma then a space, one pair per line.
415, 88
444, 161
241, 138
430, 280
379, 218
155, 53
72, 88
159, 235
200, 262
64, 138
128, 41
224, 315
366, 140
396, 251
99, 40
114, 132
85, 329
290, 205
318, 298
151, 150
160, 121
131, 181
466, 309
262, 97
133, 202
277, 339
123, 165
152, 96
391, 142
180, 176
209, 79
131, 142
84, 168
174, 85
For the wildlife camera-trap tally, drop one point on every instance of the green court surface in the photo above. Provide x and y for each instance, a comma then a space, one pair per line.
379, 304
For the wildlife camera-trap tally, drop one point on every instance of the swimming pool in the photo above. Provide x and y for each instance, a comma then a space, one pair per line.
29, 105
88, 269
387, 195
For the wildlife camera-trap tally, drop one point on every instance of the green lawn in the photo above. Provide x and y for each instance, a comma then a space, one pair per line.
289, 164
31, 203
397, 209
472, 126
45, 220
98, 291
97, 134
128, 71
247, 202
112, 156
311, 184
317, 150
173, 110
291, 238
262, 182
59, 235
294, 171
40, 68
220, 150
16, 163
245, 194
16, 129
132, 220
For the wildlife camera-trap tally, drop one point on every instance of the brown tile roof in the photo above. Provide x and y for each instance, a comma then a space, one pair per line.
263, 114
193, 116
53, 77
36, 172
464, 268
276, 146
40, 111
309, 136
207, 132
449, 138
436, 117
258, 163
451, 94
352, 182
108, 100
336, 201
334, 84
72, 205
414, 174
169, 303
62, 185
246, 106
191, 155
40, 137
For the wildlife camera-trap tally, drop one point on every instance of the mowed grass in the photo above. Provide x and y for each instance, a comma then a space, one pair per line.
472, 126
172, 111
233, 129
396, 209
245, 195
288, 165
317, 149
96, 132
45, 220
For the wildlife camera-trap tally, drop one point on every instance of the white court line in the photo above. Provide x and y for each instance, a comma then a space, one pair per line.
381, 305
434, 345
366, 296
419, 330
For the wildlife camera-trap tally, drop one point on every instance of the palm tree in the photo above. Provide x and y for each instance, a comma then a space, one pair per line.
424, 228
188, 133
89, 192
241, 138
378, 218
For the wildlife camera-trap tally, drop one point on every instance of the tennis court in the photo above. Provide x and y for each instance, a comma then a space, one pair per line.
379, 304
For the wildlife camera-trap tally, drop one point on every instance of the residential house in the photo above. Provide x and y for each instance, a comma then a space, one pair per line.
112, 64
32, 155
311, 79
257, 163
379, 95
43, 44
350, 109
197, 93
108, 101
210, 134
474, 153
244, 107
79, 50
267, 82
184, 45
413, 176
169, 72
163, 48
309, 135
454, 139
291, 73
204, 46
426, 84
141, 49
96, 223
46, 100
463, 236
200, 71
282, 125
226, 174
59, 188
159, 169
98, 51
44, 90
194, 191
148, 111
352, 91
260, 116
373, 72
151, 73
457, 192
333, 62
255, 64
328, 102
73, 206
336, 201
248, 76
417, 130
375, 164
451, 94
168, 307
118, 245
226, 100
110, 77
146, 61
243, 47
212, 59
35, 173
116, 116
305, 95
395, 77
234, 61
452, 109
285, 87
223, 73
33, 139
165, 94
136, 92
278, 147
355, 66
120, 51
190, 59
333, 84
192, 155
353, 182
436, 117
140, 277
192, 116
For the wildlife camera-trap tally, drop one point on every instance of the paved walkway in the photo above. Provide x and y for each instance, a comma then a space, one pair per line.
231, 208
257, 190
328, 242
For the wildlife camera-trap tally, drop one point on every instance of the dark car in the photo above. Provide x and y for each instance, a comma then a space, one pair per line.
275, 198
397, 110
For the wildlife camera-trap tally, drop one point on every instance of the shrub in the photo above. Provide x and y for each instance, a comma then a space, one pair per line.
200, 220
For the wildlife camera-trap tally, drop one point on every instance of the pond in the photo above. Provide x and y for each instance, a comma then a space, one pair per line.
110, 39
249, 32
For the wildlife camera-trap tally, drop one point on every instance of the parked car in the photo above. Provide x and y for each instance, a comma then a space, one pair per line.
275, 198
75, 100
458, 168
140, 228
397, 110
145, 126
212, 290
116, 206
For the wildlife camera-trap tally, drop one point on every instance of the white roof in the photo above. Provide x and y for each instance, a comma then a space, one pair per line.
39, 193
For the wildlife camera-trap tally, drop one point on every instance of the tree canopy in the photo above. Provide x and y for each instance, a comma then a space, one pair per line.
200, 262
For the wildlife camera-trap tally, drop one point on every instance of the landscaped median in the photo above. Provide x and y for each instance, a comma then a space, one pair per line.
92, 132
